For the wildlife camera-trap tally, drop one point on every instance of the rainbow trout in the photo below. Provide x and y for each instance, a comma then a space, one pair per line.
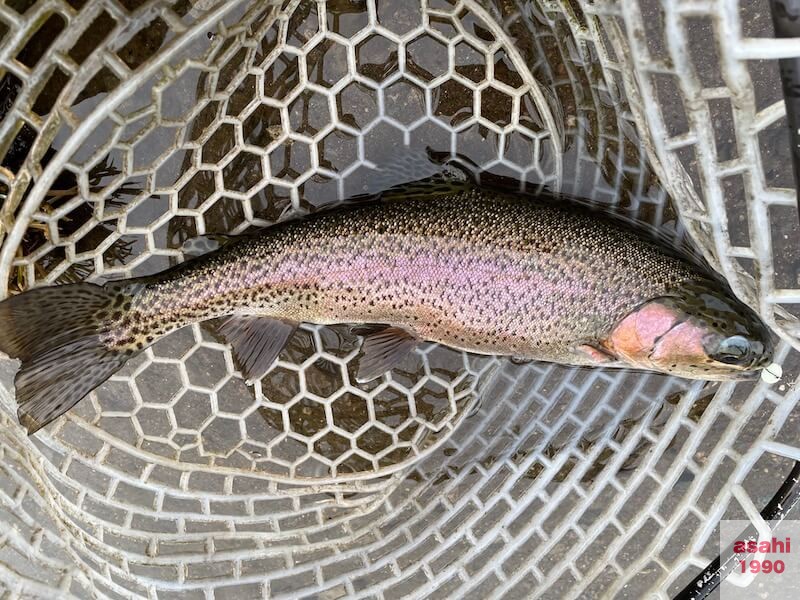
481, 271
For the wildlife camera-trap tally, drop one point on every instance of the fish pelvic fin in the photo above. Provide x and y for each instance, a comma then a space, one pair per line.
58, 334
256, 342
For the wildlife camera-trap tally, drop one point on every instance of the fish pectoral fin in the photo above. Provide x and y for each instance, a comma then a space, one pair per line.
256, 341
597, 355
383, 349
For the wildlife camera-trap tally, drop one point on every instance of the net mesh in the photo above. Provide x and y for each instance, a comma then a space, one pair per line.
127, 128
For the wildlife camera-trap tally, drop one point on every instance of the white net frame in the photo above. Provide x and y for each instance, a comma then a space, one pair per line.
526, 493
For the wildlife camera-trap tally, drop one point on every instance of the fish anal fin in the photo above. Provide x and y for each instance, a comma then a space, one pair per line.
256, 341
382, 350
366, 330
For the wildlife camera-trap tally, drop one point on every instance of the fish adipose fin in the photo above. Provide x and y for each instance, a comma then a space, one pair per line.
256, 342
57, 332
205, 244
383, 349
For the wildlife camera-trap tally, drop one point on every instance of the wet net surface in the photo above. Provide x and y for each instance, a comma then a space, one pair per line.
128, 129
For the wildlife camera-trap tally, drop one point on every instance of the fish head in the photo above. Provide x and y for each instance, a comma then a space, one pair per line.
699, 332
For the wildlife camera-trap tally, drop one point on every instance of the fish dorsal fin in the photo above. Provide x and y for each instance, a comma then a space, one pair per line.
426, 188
383, 349
256, 341
204, 244
452, 177
415, 173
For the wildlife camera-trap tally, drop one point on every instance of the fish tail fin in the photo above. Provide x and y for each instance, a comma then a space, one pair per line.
58, 334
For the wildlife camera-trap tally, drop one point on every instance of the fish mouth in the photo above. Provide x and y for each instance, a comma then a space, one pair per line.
710, 372
736, 376
747, 375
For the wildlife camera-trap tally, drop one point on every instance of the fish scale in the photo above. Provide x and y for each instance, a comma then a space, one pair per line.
477, 270
482, 272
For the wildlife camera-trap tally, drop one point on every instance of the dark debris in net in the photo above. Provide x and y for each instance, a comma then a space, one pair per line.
64, 189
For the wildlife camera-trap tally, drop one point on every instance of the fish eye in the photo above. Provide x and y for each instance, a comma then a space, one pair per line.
733, 350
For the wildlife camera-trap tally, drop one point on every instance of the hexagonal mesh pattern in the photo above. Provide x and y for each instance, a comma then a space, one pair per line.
273, 124
131, 128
